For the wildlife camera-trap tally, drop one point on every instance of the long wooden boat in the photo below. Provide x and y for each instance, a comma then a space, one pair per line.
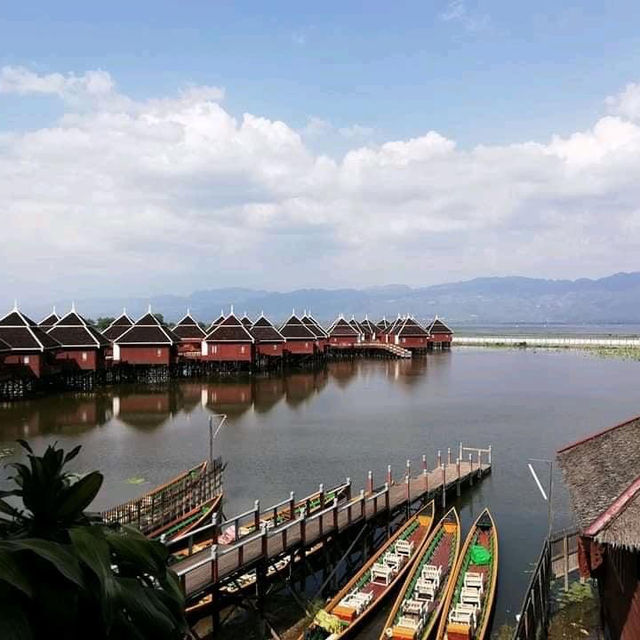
420, 601
476, 571
377, 578
191, 520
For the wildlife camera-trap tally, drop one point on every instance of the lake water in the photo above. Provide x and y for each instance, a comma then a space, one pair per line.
293, 432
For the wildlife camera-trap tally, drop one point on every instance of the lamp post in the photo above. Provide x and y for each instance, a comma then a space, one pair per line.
221, 417
548, 497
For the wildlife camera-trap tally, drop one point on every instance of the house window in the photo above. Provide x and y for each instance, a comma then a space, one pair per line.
242, 349
25, 360
275, 347
404, 340
306, 345
84, 356
158, 352
215, 348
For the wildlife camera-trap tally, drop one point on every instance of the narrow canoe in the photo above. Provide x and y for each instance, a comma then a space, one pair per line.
339, 619
190, 521
442, 549
473, 559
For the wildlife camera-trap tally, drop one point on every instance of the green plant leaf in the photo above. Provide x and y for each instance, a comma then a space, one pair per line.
12, 572
72, 454
25, 445
81, 494
63, 560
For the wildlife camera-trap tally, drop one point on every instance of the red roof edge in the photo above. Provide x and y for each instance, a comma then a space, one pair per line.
593, 436
614, 509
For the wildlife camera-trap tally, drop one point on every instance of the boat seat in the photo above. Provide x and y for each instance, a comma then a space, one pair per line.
415, 624
471, 596
404, 547
463, 613
475, 580
434, 580
425, 589
432, 572
394, 560
383, 572
414, 607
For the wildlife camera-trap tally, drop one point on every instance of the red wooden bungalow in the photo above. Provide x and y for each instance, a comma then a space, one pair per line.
191, 336
269, 341
440, 335
147, 342
4, 350
29, 346
48, 321
358, 327
382, 328
230, 341
118, 327
81, 345
322, 337
602, 473
409, 334
300, 340
343, 334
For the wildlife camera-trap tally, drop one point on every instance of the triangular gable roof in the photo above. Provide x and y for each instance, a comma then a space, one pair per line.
188, 329
22, 334
4, 346
49, 321
247, 321
602, 473
410, 328
341, 328
313, 326
437, 326
74, 331
230, 330
148, 330
368, 326
383, 325
215, 323
393, 326
294, 329
118, 327
263, 331
356, 325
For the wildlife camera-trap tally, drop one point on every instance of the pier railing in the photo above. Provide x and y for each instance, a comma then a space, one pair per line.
239, 543
558, 558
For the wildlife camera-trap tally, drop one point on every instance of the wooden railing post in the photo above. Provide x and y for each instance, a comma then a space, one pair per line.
335, 513
214, 564
439, 459
256, 515
292, 505
303, 527
408, 483
444, 487
348, 489
490, 454
386, 496
284, 538
389, 476
265, 541
321, 495
363, 510
470, 468
460, 450
448, 455
370, 482
458, 487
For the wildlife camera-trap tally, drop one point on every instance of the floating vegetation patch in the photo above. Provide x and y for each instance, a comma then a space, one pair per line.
624, 353
135, 480
577, 616
5, 453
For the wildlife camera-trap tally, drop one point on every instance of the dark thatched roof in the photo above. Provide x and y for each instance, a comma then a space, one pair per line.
294, 329
342, 329
118, 327
263, 331
74, 331
409, 328
230, 330
368, 327
383, 325
49, 321
602, 473
215, 323
436, 326
23, 334
148, 330
188, 329
314, 326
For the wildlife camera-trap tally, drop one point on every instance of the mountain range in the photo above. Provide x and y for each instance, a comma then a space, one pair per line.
613, 299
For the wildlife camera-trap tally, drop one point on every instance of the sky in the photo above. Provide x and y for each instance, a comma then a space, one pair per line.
168, 147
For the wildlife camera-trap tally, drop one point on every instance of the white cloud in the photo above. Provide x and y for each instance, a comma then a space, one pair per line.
457, 11
178, 194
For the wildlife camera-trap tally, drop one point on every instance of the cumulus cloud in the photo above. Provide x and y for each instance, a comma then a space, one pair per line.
456, 11
176, 193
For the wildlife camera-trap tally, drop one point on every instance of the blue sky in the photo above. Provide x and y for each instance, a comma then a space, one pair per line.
453, 138
492, 72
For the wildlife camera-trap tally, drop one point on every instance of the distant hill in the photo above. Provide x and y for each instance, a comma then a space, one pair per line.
614, 299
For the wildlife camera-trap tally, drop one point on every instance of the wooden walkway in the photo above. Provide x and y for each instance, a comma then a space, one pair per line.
365, 348
204, 570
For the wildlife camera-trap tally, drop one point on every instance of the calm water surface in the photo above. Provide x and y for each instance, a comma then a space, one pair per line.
291, 433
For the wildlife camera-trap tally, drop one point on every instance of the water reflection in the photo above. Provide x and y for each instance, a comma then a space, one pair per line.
148, 408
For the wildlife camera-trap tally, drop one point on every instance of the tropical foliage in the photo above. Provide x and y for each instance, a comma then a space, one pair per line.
65, 574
